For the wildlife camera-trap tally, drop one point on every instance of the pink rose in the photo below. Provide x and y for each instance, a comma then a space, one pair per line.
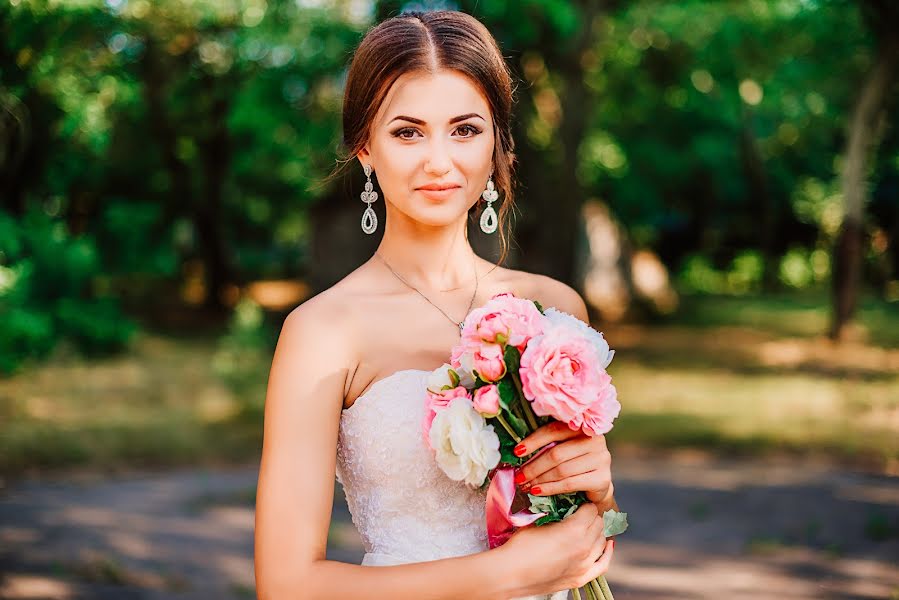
438, 401
561, 375
489, 363
486, 400
597, 419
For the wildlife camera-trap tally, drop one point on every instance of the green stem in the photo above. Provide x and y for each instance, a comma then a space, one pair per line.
591, 595
576, 593
604, 586
525, 405
515, 408
499, 417
597, 590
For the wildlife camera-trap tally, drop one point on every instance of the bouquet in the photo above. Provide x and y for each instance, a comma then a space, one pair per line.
516, 368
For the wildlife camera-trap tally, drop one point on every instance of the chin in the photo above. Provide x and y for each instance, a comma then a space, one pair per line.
438, 215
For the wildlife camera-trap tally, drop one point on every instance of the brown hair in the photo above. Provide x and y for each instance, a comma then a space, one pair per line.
429, 41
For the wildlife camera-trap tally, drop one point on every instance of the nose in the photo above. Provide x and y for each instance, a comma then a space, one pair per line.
439, 161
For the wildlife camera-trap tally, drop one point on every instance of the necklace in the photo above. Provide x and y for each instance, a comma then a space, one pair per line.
459, 324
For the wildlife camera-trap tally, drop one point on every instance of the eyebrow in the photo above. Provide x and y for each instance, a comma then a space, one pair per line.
420, 122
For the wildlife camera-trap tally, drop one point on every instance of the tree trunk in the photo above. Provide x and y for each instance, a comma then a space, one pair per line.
760, 194
207, 215
861, 137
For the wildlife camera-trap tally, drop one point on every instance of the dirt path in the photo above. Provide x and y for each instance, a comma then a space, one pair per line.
700, 528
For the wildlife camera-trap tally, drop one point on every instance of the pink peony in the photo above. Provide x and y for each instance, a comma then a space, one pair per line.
486, 400
438, 401
561, 374
517, 320
597, 419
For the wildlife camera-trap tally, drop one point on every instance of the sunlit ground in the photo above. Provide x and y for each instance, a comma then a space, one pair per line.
735, 375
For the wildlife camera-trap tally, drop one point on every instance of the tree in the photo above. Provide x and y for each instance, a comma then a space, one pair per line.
864, 128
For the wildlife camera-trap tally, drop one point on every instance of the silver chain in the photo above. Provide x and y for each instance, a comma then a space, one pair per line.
459, 324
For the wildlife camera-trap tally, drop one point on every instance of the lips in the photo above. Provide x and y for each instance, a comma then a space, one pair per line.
434, 187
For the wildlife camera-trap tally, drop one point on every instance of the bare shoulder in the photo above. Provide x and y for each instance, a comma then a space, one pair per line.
323, 325
555, 293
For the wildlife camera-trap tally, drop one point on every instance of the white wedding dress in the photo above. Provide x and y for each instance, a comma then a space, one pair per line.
405, 508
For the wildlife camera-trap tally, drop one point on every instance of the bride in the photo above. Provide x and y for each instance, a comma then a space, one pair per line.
427, 110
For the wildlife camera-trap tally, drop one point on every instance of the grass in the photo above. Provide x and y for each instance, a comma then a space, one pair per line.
741, 375
796, 314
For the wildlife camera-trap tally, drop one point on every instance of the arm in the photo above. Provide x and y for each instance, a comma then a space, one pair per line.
296, 484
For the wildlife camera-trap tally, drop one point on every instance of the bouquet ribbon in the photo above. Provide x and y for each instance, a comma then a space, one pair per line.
501, 521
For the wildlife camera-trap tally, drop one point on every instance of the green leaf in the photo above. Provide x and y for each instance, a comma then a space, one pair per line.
540, 504
507, 392
520, 427
614, 522
507, 456
539, 306
512, 357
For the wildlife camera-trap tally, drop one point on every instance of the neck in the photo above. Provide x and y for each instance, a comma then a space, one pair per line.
428, 257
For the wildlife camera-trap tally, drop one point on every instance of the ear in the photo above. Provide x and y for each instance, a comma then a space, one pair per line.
364, 156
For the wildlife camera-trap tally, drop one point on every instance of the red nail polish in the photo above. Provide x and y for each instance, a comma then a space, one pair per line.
535, 490
519, 450
519, 477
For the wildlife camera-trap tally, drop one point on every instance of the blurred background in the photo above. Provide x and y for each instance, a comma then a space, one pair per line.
720, 179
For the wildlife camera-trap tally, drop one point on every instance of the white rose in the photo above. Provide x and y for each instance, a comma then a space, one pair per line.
557, 318
439, 378
466, 370
466, 447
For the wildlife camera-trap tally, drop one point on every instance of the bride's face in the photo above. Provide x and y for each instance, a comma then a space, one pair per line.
432, 130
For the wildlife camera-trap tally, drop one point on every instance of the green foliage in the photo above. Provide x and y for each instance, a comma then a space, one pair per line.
245, 349
158, 134
742, 275
46, 293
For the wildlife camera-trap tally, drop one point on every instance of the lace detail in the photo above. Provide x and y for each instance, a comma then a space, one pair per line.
404, 507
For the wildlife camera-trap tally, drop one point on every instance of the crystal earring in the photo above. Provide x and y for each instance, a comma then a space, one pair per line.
488, 217
369, 218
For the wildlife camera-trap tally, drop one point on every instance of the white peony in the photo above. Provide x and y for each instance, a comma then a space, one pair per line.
557, 318
466, 447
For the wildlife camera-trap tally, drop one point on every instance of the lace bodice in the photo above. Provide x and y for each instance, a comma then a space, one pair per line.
405, 508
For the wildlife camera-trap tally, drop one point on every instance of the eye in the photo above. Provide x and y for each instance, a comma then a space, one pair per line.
400, 133
474, 130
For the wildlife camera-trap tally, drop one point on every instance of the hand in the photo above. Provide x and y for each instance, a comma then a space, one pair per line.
577, 462
557, 556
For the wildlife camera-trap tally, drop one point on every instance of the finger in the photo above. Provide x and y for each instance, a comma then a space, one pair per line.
585, 463
599, 539
578, 483
554, 431
550, 459
602, 565
586, 512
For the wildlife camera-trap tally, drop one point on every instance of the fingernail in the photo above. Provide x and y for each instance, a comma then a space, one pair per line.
520, 478
535, 489
519, 450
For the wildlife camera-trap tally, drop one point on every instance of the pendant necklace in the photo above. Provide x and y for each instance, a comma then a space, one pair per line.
459, 324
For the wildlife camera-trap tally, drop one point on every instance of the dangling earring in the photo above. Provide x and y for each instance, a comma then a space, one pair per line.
369, 218
488, 217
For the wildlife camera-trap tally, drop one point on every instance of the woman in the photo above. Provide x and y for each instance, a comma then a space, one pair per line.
427, 109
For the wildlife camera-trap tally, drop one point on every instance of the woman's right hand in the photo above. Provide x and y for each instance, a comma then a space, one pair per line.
557, 556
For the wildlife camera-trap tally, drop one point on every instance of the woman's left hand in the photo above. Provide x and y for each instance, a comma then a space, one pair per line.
577, 462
